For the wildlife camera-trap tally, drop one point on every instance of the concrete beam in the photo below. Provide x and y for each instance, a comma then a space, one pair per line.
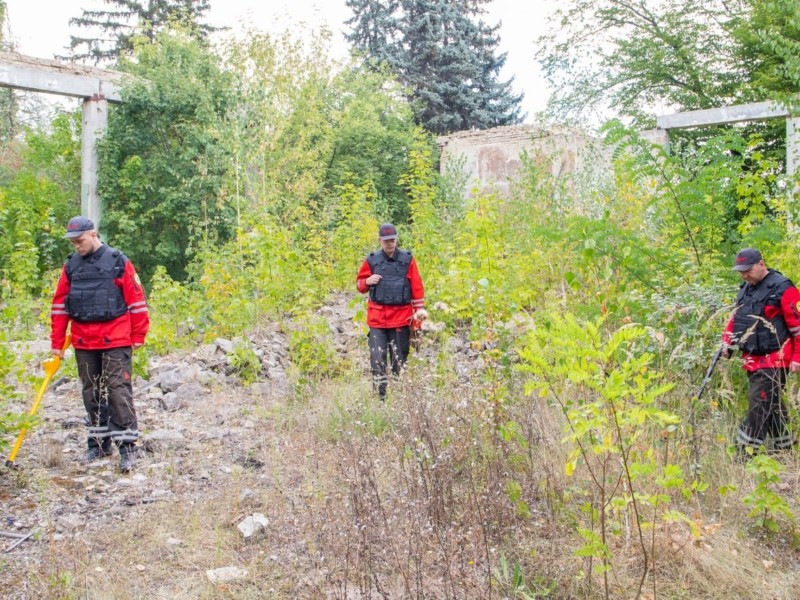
52, 77
756, 111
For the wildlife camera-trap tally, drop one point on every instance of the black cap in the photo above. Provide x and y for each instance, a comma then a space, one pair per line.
387, 231
746, 259
77, 226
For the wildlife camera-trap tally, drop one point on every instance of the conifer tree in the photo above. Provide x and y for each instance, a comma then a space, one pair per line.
444, 54
128, 18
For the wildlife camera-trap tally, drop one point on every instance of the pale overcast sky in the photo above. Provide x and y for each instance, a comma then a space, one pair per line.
41, 28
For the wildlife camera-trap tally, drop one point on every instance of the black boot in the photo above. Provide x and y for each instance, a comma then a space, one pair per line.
127, 458
97, 451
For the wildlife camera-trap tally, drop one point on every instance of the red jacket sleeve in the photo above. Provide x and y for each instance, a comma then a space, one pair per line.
59, 319
417, 289
361, 279
133, 293
790, 309
790, 306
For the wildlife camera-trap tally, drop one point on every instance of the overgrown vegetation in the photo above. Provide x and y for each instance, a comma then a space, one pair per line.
248, 186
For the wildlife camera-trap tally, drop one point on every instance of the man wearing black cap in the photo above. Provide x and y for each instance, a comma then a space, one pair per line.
396, 298
100, 294
765, 326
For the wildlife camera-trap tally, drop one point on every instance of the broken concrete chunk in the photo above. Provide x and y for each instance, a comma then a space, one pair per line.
252, 525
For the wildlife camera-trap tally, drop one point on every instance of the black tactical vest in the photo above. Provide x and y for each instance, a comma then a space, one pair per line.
395, 288
752, 331
93, 297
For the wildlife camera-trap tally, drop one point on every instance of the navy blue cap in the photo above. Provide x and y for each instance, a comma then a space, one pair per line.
746, 259
77, 226
387, 231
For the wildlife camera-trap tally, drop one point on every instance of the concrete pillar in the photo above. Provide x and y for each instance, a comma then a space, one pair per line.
792, 158
792, 150
95, 121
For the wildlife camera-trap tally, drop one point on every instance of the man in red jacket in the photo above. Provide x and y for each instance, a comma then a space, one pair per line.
396, 298
100, 293
765, 326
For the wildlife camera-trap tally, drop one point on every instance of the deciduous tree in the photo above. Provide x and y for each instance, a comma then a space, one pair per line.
629, 58
633, 55
163, 165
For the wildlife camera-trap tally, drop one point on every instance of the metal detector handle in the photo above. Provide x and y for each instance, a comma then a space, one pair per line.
710, 371
50, 367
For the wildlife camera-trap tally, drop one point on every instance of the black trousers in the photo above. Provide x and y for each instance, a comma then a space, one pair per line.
108, 397
387, 345
766, 414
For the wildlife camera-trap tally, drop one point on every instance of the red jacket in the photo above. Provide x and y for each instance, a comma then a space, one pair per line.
381, 316
790, 352
131, 328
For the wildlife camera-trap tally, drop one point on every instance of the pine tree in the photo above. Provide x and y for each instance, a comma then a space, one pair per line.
132, 18
445, 56
374, 28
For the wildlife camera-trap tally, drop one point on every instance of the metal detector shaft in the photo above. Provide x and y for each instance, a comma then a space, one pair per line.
693, 409
710, 370
50, 367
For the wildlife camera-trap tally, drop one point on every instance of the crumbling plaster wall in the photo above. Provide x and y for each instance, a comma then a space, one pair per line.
492, 158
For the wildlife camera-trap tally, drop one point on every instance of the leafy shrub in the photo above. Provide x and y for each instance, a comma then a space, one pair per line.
245, 362
765, 503
312, 351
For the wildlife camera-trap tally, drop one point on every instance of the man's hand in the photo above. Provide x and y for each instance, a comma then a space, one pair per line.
373, 279
137, 346
57, 352
794, 367
421, 315
728, 351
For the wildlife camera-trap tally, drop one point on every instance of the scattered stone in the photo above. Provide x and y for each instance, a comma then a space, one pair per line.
252, 525
71, 522
162, 439
170, 402
189, 392
225, 574
172, 380
225, 345
209, 354
248, 462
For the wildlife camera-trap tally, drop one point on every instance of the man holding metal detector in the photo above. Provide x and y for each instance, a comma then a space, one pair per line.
100, 294
765, 326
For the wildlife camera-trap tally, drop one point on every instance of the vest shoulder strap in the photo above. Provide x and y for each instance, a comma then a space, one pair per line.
773, 283
373, 259
115, 259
